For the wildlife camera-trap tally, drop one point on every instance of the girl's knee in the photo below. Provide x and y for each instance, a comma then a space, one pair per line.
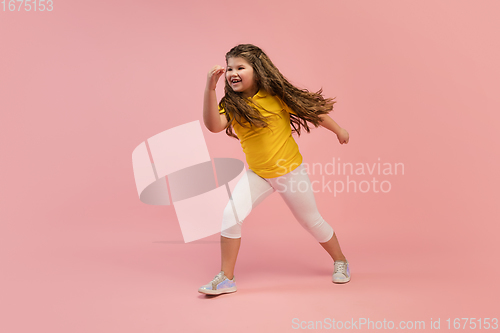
231, 224
318, 228
230, 217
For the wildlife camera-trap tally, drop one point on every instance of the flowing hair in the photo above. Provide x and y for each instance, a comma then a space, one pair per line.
308, 106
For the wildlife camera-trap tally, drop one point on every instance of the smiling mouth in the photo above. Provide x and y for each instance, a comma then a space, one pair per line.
235, 81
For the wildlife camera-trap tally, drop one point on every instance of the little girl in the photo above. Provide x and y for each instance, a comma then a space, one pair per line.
261, 106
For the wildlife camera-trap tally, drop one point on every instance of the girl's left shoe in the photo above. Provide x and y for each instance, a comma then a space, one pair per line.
341, 273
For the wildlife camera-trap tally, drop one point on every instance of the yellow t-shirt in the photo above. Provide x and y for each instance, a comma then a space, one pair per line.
270, 151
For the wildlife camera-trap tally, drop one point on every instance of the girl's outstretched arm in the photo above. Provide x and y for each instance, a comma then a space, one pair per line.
330, 124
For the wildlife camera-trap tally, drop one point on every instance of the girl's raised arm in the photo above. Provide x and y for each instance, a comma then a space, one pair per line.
214, 121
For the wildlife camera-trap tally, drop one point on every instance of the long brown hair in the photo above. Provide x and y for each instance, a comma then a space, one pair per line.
307, 105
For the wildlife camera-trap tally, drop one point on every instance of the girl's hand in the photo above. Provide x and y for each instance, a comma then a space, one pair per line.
343, 136
213, 76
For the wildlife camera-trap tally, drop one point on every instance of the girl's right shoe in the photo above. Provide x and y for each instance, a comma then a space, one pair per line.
341, 273
219, 285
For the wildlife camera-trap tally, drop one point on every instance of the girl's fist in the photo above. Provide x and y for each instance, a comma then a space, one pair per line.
343, 136
213, 76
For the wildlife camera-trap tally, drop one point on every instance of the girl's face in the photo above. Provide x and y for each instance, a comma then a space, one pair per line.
240, 76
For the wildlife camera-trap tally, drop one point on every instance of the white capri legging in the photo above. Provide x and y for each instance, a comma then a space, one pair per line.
295, 189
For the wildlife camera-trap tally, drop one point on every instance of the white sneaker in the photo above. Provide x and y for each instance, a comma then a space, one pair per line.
341, 273
219, 285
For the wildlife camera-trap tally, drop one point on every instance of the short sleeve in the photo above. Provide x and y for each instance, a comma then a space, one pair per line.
287, 109
291, 111
221, 110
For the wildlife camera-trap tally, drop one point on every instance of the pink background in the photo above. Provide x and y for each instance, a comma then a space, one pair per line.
416, 82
